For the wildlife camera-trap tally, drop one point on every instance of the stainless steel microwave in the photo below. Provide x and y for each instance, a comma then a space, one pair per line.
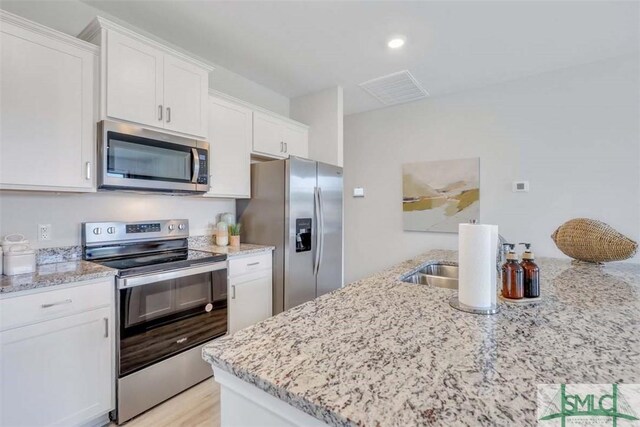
134, 158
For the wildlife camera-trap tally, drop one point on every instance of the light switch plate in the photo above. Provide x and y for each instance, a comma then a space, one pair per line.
358, 192
520, 186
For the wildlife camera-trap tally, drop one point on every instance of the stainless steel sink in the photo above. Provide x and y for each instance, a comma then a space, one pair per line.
435, 274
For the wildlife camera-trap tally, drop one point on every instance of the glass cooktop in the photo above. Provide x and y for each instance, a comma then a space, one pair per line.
163, 261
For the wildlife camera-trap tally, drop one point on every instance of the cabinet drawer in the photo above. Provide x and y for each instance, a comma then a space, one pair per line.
249, 264
46, 305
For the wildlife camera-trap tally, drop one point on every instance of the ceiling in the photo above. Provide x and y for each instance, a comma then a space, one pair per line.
295, 48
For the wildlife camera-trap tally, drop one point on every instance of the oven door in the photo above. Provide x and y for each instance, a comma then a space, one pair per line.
163, 314
140, 159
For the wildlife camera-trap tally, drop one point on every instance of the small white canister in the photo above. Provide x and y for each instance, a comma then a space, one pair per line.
19, 259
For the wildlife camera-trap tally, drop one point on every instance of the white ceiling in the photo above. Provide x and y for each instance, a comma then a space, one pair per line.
299, 47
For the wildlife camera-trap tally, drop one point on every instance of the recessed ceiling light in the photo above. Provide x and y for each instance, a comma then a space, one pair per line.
396, 42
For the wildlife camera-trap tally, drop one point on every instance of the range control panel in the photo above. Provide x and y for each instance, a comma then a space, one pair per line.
143, 228
94, 233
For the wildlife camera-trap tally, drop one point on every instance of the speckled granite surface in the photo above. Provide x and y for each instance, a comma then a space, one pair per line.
60, 254
54, 274
384, 353
244, 249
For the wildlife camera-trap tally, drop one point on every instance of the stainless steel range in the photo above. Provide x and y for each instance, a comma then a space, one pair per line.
170, 301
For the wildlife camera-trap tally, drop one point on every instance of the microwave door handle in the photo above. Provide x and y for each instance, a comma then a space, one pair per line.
196, 165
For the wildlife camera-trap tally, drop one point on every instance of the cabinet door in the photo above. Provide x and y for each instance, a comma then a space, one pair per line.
134, 81
268, 135
230, 129
185, 97
56, 372
47, 111
296, 140
249, 300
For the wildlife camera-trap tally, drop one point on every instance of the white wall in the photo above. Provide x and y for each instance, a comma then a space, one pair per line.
21, 212
574, 134
71, 16
323, 112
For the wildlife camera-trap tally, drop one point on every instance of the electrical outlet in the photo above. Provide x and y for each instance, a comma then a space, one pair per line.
44, 231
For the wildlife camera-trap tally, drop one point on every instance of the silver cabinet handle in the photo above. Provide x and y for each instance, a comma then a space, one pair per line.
168, 114
52, 304
106, 327
88, 171
253, 263
286, 148
160, 112
233, 291
282, 146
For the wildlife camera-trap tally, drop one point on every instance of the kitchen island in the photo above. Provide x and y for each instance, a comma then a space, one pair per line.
380, 352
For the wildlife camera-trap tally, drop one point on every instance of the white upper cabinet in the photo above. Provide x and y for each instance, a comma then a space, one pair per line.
278, 137
148, 83
268, 135
47, 108
186, 89
296, 139
230, 149
135, 84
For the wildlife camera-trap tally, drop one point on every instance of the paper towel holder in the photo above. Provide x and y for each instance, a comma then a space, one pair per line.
453, 302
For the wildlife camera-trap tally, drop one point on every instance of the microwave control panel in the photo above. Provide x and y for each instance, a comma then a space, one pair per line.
203, 175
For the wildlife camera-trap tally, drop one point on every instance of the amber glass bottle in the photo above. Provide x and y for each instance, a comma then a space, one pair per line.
512, 276
531, 276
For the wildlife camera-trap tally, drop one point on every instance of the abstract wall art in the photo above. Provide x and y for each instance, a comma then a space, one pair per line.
438, 195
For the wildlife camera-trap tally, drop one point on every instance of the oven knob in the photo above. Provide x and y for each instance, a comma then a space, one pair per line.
97, 231
111, 230
171, 227
181, 227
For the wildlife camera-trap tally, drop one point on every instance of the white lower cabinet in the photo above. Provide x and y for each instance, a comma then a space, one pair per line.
250, 291
58, 371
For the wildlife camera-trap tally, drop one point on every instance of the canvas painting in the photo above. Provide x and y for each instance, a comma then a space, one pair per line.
439, 195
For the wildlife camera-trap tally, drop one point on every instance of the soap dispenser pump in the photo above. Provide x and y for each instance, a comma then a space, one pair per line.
512, 275
531, 272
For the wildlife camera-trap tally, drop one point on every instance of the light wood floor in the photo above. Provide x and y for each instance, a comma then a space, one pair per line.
197, 407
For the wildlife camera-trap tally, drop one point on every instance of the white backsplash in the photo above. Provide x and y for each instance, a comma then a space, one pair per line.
21, 212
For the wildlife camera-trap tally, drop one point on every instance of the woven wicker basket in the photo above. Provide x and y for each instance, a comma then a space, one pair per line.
593, 241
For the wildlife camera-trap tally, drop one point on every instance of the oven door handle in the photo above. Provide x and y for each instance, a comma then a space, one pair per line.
130, 282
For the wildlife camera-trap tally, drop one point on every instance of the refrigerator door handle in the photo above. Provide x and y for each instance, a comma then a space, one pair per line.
316, 212
321, 233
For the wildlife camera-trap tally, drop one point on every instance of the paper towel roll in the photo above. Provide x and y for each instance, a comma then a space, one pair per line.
477, 245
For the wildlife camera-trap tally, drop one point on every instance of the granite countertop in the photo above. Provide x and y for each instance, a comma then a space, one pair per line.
381, 352
54, 274
231, 251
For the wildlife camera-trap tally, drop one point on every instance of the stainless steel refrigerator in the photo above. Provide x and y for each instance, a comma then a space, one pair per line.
296, 206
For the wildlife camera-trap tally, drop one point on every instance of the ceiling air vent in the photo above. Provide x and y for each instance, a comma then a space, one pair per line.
395, 88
